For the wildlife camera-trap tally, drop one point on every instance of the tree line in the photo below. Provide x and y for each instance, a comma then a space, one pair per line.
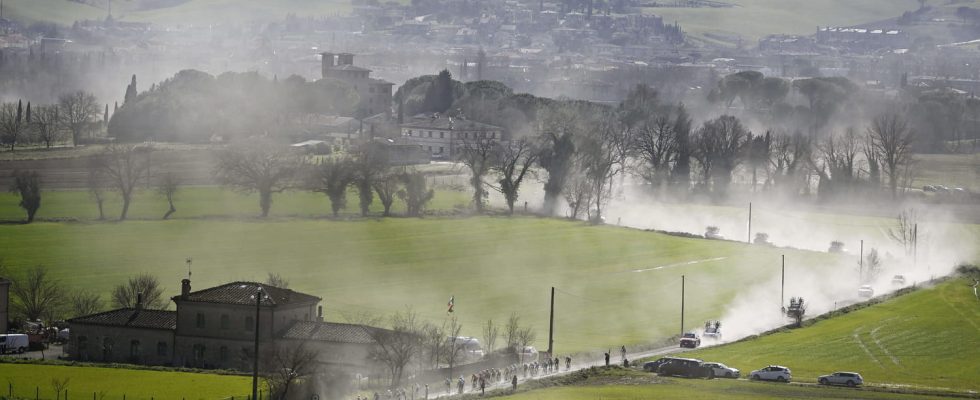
74, 116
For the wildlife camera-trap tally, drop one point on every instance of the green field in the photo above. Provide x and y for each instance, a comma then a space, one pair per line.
113, 383
682, 389
206, 201
493, 266
752, 19
929, 338
951, 170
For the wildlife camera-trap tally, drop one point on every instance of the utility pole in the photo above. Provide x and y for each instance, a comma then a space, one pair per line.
861, 264
749, 239
682, 305
915, 245
782, 286
551, 325
255, 365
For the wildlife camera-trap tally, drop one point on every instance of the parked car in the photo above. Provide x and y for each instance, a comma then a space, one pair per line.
866, 291
686, 367
690, 340
14, 343
652, 366
722, 370
837, 247
898, 280
772, 373
851, 379
528, 354
928, 188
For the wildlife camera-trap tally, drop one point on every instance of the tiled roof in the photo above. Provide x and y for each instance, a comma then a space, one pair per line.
329, 332
243, 292
131, 317
348, 67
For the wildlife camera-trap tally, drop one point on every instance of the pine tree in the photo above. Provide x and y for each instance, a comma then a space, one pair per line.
130, 91
105, 116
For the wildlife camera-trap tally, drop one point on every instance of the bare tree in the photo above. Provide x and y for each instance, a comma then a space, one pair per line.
718, 148
557, 128
287, 364
370, 163
905, 232
490, 333
414, 193
396, 347
525, 336
96, 183
168, 189
874, 164
37, 295
891, 139
332, 177
258, 166
126, 295
839, 154
78, 111
511, 329
60, 385
577, 194
477, 154
432, 340
48, 125
276, 280
11, 124
28, 185
84, 302
453, 346
386, 186
872, 266
513, 163
655, 143
604, 154
123, 168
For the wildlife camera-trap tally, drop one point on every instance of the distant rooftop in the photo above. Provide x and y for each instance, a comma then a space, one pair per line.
242, 292
329, 332
133, 318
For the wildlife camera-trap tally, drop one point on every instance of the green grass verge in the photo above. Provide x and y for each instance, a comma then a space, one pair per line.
24, 379
928, 338
206, 201
493, 266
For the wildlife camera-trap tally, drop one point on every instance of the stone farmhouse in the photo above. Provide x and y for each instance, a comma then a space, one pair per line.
375, 94
443, 136
215, 328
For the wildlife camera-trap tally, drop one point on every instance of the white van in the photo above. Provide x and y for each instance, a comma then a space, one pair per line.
14, 342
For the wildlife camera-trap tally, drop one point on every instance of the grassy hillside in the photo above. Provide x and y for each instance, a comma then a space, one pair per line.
928, 338
83, 382
493, 266
752, 19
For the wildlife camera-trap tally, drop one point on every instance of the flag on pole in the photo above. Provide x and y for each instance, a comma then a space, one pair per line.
452, 302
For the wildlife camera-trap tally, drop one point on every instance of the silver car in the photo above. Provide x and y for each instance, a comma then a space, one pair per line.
842, 378
722, 370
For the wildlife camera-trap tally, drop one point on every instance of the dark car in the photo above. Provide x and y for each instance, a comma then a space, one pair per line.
686, 367
652, 366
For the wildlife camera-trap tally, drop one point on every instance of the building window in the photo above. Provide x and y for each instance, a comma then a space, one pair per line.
249, 324
199, 354
409, 132
430, 149
430, 133
162, 349
442, 135
440, 150
224, 322
134, 349
107, 348
82, 343
200, 321
492, 134
223, 354
371, 89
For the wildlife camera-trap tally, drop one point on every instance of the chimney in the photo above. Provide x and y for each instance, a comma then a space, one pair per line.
319, 313
185, 288
139, 301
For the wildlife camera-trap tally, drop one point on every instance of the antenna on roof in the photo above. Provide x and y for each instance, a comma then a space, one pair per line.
189, 261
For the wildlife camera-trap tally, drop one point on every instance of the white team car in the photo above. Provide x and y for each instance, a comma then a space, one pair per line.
772, 373
866, 291
722, 370
842, 378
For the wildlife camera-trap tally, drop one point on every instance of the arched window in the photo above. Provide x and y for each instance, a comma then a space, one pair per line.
199, 354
